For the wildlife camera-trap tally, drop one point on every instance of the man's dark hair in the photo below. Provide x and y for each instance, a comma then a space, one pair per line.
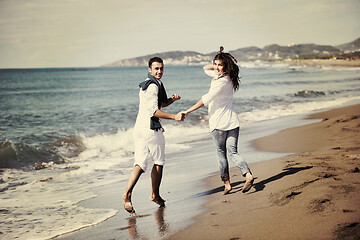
155, 59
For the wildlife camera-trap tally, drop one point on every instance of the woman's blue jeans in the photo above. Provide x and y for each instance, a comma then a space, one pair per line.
226, 147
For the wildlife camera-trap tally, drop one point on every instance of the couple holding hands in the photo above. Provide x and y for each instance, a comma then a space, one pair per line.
223, 123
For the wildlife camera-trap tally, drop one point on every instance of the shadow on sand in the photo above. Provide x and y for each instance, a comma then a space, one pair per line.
258, 186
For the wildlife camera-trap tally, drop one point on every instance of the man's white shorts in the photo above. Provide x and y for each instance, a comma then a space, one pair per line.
149, 145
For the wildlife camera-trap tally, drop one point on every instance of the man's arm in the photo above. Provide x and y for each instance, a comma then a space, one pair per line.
173, 98
161, 114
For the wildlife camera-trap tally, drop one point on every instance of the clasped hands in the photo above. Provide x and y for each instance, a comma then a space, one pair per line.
180, 116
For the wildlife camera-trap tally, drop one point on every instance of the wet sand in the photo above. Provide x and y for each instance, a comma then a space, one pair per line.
312, 194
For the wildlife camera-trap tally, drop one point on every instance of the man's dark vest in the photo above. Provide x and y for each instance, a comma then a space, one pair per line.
162, 98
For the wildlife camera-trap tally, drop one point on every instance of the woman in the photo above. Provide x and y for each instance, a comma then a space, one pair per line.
223, 121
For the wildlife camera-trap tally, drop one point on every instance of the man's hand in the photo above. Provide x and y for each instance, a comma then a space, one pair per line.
180, 116
184, 114
169, 101
175, 97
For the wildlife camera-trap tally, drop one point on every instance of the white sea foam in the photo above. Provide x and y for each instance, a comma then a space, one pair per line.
339, 68
255, 64
178, 137
278, 111
46, 206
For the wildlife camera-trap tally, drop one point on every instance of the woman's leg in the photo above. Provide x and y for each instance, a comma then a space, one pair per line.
220, 144
231, 147
233, 155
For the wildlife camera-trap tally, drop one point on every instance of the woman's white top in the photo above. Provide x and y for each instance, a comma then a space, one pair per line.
220, 103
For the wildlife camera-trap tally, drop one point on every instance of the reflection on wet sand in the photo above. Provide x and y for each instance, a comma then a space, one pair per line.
162, 224
132, 228
133, 234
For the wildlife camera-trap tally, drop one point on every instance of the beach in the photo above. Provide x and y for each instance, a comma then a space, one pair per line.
66, 147
311, 194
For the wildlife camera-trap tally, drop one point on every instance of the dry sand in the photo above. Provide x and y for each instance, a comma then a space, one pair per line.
313, 194
328, 62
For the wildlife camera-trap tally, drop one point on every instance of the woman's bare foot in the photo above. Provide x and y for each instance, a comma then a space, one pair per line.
249, 182
227, 187
127, 204
158, 200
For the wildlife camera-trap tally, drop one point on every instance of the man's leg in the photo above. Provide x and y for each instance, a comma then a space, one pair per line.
156, 176
133, 178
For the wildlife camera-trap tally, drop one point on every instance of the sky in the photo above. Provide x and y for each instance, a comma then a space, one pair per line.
89, 33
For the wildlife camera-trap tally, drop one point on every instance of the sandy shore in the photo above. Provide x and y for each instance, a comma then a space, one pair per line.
313, 194
327, 62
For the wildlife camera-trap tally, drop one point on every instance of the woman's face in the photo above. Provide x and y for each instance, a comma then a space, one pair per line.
218, 67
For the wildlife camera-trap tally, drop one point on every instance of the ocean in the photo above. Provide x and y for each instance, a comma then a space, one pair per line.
66, 131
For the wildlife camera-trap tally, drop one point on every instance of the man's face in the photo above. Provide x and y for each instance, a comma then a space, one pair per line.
156, 70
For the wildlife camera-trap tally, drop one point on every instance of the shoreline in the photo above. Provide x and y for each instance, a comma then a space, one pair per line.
311, 194
196, 208
324, 62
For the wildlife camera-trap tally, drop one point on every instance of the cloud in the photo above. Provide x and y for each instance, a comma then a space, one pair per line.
88, 32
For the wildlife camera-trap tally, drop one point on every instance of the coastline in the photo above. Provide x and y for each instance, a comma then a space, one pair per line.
288, 191
325, 62
311, 194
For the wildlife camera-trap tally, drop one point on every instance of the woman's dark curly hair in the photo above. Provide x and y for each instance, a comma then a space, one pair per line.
230, 67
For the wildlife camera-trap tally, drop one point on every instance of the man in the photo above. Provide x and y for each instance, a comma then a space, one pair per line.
148, 132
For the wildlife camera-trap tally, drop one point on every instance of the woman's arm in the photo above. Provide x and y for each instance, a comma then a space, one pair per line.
200, 103
208, 67
196, 106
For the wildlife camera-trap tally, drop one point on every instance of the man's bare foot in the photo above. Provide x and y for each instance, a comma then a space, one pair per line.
227, 187
127, 204
249, 182
158, 200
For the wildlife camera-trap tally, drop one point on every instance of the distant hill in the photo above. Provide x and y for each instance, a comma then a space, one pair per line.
301, 50
270, 52
171, 58
351, 46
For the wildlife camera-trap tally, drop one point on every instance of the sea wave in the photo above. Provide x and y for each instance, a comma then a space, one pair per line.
310, 93
23, 155
19, 155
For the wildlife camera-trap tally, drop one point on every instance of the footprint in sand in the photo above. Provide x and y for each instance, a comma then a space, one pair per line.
348, 210
319, 205
343, 189
285, 198
348, 231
